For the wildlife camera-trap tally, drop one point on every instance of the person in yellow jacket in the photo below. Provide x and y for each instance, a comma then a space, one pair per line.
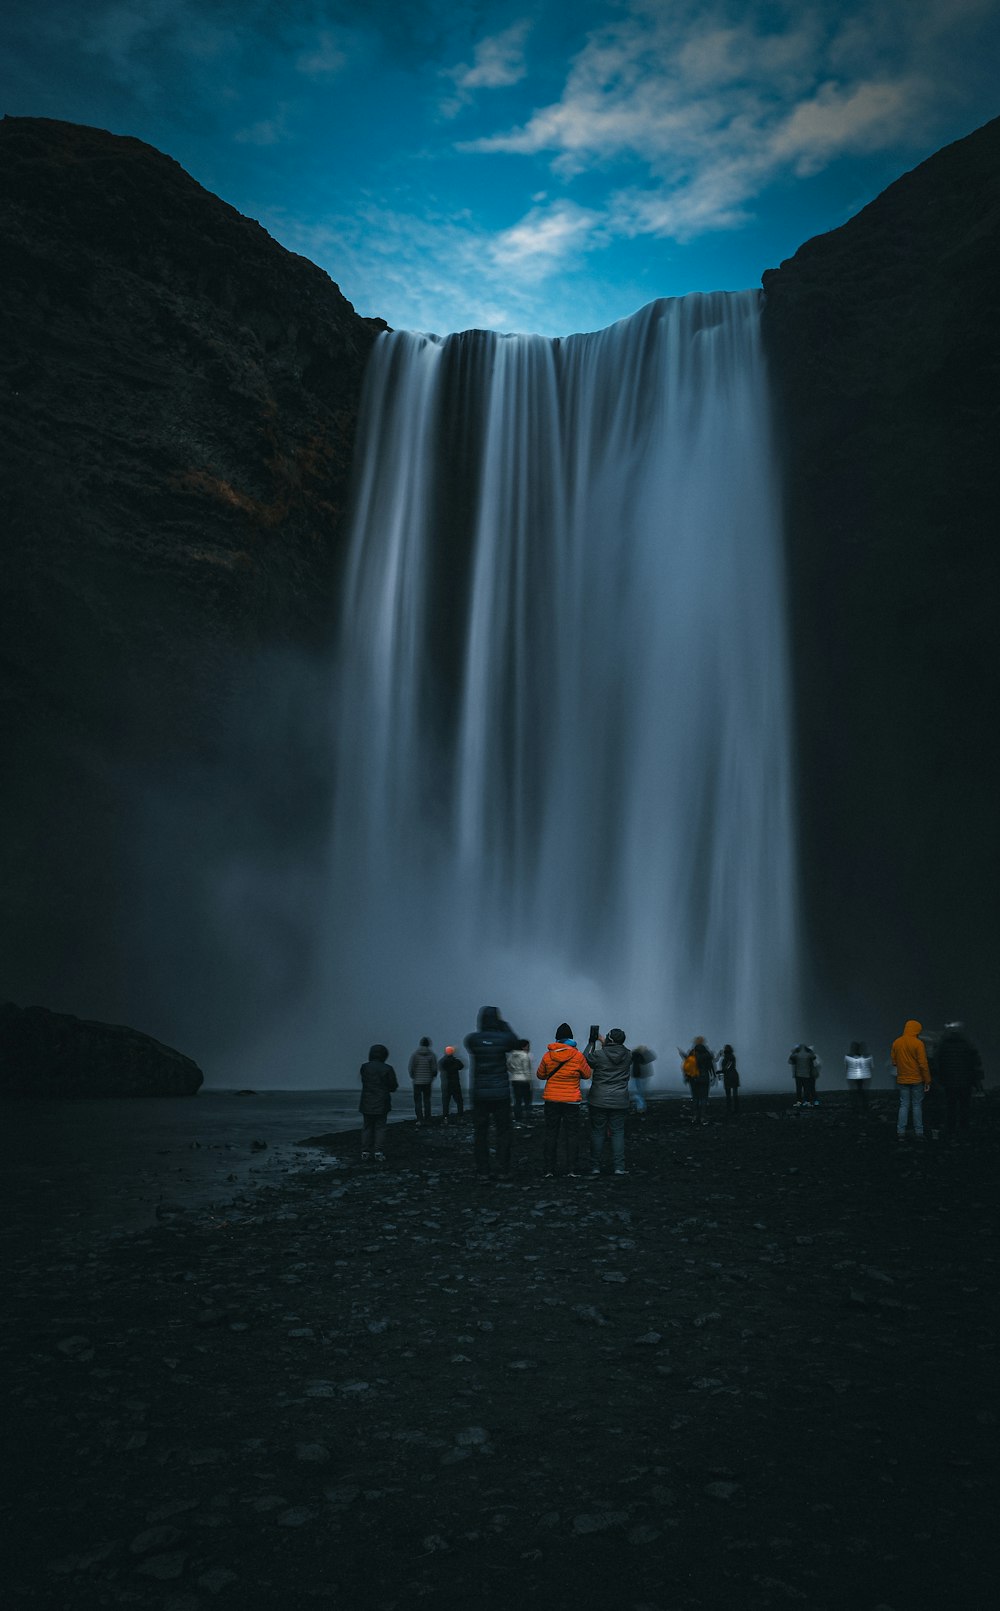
913, 1076
561, 1070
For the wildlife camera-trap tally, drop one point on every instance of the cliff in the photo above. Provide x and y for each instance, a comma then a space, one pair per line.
178, 398
884, 344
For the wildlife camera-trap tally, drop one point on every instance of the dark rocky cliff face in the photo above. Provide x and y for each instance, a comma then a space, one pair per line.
178, 398
884, 343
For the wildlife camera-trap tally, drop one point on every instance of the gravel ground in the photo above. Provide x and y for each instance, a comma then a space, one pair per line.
758, 1371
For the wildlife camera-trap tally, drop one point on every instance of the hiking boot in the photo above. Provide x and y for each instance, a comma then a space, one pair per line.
380, 1157
365, 1156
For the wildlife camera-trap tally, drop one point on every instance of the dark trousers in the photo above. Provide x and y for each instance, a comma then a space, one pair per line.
499, 1111
373, 1134
732, 1098
805, 1088
564, 1117
959, 1101
523, 1097
859, 1087
422, 1102
452, 1087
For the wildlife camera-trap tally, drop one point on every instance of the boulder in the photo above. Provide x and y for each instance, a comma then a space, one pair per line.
49, 1054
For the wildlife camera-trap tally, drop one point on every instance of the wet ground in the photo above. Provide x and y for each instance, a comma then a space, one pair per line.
758, 1371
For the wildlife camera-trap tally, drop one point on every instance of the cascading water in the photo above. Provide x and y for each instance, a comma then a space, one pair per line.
561, 711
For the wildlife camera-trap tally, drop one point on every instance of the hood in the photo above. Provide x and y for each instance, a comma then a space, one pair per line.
377, 1053
911, 1027
489, 1018
563, 1046
616, 1054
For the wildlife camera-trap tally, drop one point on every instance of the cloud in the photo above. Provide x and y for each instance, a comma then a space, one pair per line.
268, 131
498, 61
544, 237
867, 117
702, 109
445, 271
324, 58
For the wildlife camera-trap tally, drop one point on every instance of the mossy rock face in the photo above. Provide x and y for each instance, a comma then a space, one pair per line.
883, 339
46, 1054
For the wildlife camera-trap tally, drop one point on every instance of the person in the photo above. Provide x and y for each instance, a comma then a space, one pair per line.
698, 1068
519, 1069
730, 1080
858, 1068
959, 1069
561, 1070
913, 1076
642, 1061
378, 1081
805, 1067
611, 1062
449, 1068
489, 1082
423, 1072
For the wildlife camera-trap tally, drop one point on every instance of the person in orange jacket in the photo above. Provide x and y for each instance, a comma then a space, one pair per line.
561, 1070
913, 1076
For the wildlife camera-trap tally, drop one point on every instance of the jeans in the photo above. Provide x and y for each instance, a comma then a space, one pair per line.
451, 1087
497, 1108
564, 1116
638, 1100
911, 1100
602, 1120
422, 1103
523, 1097
373, 1133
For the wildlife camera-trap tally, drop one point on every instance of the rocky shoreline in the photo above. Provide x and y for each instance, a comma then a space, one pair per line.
758, 1371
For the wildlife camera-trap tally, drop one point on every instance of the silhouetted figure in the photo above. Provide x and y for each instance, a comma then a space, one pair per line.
959, 1068
913, 1077
698, 1067
378, 1081
521, 1081
449, 1068
858, 1069
730, 1080
423, 1068
490, 1088
611, 1062
561, 1070
805, 1067
642, 1066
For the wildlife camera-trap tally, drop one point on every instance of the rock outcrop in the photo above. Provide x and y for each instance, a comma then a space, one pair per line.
884, 343
178, 397
48, 1054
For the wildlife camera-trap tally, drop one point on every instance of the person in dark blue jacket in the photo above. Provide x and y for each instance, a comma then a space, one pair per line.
489, 1085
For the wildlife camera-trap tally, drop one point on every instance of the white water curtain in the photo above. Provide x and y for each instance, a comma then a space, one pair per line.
561, 713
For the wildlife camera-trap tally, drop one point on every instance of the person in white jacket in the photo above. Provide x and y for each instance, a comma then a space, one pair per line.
521, 1082
858, 1068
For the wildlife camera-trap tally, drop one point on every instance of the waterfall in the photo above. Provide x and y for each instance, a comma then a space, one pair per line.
561, 711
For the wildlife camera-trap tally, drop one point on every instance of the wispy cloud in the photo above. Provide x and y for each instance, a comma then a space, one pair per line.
266, 131
546, 236
498, 61
445, 272
323, 58
702, 110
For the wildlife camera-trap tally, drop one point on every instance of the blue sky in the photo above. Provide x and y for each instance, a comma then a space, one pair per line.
549, 168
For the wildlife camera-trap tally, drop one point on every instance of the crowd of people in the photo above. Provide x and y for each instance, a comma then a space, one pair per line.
935, 1076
